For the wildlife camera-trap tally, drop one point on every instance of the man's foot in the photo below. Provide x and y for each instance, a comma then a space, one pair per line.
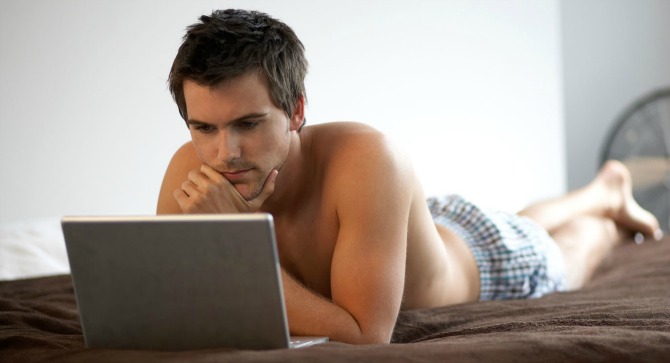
615, 180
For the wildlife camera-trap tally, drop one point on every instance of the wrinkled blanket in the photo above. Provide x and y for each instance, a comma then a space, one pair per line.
622, 315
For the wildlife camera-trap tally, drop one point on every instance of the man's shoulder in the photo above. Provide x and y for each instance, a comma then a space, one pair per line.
186, 156
343, 137
349, 147
342, 128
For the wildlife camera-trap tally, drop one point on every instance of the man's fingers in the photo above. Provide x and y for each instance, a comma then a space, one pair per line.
189, 188
207, 189
198, 178
212, 174
180, 196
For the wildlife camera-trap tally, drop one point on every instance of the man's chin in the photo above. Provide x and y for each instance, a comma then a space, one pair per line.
248, 192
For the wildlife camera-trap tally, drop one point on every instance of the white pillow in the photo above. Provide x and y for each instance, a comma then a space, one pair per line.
32, 248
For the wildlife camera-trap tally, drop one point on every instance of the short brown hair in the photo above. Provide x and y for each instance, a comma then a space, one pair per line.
230, 43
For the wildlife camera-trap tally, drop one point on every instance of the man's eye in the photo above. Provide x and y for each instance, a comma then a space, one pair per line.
205, 129
247, 125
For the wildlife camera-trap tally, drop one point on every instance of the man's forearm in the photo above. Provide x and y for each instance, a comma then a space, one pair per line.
312, 314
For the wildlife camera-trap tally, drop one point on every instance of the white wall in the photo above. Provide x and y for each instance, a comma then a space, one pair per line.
471, 88
614, 51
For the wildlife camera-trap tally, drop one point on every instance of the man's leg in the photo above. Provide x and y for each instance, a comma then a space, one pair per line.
587, 223
609, 196
585, 242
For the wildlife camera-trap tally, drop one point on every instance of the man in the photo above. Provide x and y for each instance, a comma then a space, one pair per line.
357, 241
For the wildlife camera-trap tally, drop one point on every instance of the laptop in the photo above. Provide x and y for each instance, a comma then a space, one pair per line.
179, 282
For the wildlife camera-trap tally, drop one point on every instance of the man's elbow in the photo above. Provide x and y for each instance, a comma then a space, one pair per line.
368, 336
375, 339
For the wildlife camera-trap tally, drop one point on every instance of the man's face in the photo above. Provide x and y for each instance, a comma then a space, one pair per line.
237, 130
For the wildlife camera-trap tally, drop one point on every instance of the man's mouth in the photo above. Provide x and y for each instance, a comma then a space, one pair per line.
236, 175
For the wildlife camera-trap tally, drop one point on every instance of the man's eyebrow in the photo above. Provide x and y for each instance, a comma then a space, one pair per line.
248, 116
193, 122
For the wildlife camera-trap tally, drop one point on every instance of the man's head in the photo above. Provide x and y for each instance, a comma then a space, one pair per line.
231, 43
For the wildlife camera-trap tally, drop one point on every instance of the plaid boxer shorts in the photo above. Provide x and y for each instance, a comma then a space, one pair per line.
516, 257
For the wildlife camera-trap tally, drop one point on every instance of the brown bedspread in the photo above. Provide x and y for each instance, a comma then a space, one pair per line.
622, 315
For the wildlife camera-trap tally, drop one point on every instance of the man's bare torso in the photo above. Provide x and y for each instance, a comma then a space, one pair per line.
439, 268
439, 271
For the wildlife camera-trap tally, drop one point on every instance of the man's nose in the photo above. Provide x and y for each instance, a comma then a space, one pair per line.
229, 146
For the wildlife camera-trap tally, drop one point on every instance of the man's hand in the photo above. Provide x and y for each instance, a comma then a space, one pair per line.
207, 191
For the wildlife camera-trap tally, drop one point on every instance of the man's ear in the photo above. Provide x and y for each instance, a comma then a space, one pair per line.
298, 114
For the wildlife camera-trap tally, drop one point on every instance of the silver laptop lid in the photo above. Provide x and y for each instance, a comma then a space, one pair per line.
177, 282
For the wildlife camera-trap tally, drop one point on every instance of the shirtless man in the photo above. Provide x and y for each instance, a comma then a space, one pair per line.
357, 241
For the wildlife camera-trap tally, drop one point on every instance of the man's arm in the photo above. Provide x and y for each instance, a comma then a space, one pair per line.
370, 184
372, 190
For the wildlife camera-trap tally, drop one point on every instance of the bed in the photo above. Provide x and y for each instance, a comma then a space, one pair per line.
622, 315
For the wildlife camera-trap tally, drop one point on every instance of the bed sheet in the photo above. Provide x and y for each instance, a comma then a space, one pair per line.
622, 315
